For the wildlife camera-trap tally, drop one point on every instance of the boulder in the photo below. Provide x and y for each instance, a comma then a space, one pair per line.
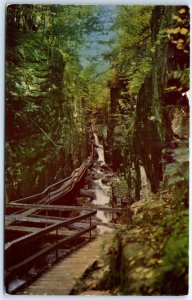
88, 193
105, 167
96, 176
83, 200
90, 184
150, 208
106, 180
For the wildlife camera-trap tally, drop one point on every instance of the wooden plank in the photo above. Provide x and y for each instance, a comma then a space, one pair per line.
61, 278
22, 218
50, 217
80, 224
18, 267
83, 222
22, 228
35, 229
24, 213
34, 236
51, 207
67, 207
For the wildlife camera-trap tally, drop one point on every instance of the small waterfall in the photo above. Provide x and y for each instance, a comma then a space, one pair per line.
100, 150
102, 191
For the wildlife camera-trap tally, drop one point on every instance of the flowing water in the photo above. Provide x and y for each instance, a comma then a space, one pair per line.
102, 191
100, 150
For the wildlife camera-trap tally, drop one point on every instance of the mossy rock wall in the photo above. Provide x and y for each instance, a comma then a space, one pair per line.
153, 121
43, 142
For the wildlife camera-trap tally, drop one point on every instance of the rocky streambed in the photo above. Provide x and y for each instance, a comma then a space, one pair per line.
96, 191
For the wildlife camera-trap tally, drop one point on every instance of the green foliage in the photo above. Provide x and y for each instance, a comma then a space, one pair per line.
180, 34
172, 275
112, 276
120, 189
132, 55
160, 270
177, 177
138, 73
46, 93
98, 92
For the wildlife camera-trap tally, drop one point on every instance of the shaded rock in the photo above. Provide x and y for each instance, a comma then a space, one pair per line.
96, 219
156, 208
82, 200
93, 185
97, 186
88, 193
105, 167
89, 181
96, 176
151, 204
111, 175
125, 217
106, 180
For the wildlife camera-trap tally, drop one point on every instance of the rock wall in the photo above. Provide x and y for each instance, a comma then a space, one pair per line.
153, 118
45, 140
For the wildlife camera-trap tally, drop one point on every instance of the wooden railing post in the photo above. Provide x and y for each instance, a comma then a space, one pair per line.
49, 196
90, 227
57, 244
46, 216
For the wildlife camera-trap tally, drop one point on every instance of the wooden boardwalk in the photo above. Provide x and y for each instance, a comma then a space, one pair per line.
61, 278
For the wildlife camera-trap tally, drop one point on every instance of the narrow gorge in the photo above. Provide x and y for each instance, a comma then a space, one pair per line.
97, 116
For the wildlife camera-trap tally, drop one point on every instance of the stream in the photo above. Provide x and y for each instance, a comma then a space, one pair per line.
102, 186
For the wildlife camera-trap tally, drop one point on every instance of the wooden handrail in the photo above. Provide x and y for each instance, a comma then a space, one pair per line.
66, 207
18, 267
11, 247
52, 190
50, 194
33, 236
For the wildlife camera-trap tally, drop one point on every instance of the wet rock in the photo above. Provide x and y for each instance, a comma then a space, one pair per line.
105, 167
111, 175
88, 179
106, 180
82, 200
94, 185
90, 183
96, 219
88, 193
96, 176
95, 165
87, 200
